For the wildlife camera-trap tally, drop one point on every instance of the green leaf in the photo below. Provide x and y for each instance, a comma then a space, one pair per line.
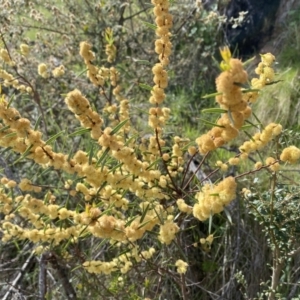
26, 152
228, 215
211, 95
80, 131
213, 110
250, 90
91, 152
210, 123
144, 213
54, 137
37, 123
143, 62
115, 168
150, 25
145, 86
210, 222
10, 101
249, 136
257, 119
10, 135
118, 127
248, 61
4, 128
230, 118
245, 127
102, 157
273, 82
250, 124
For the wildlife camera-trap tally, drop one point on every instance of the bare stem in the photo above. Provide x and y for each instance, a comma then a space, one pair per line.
183, 287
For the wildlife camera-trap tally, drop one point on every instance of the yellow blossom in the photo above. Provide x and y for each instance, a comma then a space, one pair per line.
181, 266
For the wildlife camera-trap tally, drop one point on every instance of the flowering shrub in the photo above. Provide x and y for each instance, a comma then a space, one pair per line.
118, 207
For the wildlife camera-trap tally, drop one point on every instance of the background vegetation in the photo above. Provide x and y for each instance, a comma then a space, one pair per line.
254, 238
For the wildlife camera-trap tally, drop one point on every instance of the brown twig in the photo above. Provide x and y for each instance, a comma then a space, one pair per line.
194, 174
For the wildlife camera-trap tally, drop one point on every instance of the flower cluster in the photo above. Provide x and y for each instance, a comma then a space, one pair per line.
122, 262
158, 117
176, 162
273, 164
230, 98
181, 266
59, 71
110, 48
9, 80
212, 199
110, 51
261, 139
168, 231
266, 76
97, 76
163, 46
43, 70
164, 22
207, 242
88, 118
182, 206
290, 154
5, 56
24, 49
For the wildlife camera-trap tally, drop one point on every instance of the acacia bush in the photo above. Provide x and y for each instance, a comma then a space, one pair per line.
99, 197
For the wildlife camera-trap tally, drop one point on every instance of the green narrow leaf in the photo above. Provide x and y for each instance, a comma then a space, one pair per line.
143, 62
78, 75
249, 136
248, 61
230, 118
37, 123
210, 123
241, 85
54, 137
210, 223
118, 127
100, 188
211, 95
161, 220
214, 110
251, 124
250, 90
273, 82
10, 101
79, 132
154, 163
145, 86
4, 128
130, 221
245, 127
228, 215
102, 157
91, 153
257, 119
24, 154
10, 135
115, 168
144, 213
143, 224
151, 26
216, 62
214, 195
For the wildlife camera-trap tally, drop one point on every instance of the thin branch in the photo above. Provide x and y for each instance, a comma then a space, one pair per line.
63, 276
43, 276
18, 278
